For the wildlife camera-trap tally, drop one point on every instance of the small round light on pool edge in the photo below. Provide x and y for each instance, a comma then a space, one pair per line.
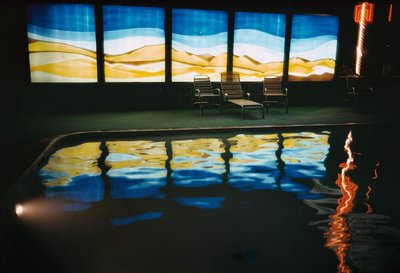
19, 209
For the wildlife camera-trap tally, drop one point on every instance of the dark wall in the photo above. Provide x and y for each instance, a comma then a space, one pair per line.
13, 46
18, 94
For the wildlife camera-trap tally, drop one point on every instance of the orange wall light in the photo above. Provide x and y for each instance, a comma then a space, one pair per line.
363, 15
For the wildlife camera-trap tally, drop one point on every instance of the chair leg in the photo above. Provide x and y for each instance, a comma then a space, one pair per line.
287, 105
266, 106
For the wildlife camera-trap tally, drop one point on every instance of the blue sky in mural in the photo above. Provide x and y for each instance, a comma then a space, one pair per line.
314, 36
199, 29
261, 29
63, 23
274, 24
123, 22
62, 16
261, 37
309, 26
202, 22
127, 28
126, 17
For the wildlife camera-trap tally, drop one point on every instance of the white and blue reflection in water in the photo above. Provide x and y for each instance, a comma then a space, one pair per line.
254, 165
141, 169
137, 169
205, 174
72, 174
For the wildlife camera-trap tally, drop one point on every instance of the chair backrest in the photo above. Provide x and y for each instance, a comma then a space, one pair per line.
203, 84
230, 85
272, 86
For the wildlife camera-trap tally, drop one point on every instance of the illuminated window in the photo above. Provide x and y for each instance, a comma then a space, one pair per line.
199, 43
313, 48
259, 44
134, 44
62, 43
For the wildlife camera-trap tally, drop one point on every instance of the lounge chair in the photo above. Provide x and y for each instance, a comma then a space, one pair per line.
275, 93
204, 93
232, 93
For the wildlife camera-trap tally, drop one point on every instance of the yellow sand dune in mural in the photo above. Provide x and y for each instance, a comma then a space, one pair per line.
145, 71
76, 68
178, 70
304, 70
149, 53
199, 60
251, 69
60, 62
144, 64
148, 62
245, 62
41, 46
185, 65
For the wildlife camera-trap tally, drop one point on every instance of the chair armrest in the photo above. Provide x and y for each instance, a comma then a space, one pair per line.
285, 90
197, 91
225, 96
217, 90
247, 94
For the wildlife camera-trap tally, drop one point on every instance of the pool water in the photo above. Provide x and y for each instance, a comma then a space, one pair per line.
315, 200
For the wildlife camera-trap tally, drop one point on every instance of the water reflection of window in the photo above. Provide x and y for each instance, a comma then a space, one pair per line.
200, 202
197, 162
72, 174
137, 168
148, 216
303, 154
253, 165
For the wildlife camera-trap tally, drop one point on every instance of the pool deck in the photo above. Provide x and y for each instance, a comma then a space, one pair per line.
26, 135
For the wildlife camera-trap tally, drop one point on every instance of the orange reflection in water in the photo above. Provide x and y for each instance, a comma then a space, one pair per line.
338, 236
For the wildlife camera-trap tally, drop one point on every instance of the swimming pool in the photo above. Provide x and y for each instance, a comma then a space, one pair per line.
285, 200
